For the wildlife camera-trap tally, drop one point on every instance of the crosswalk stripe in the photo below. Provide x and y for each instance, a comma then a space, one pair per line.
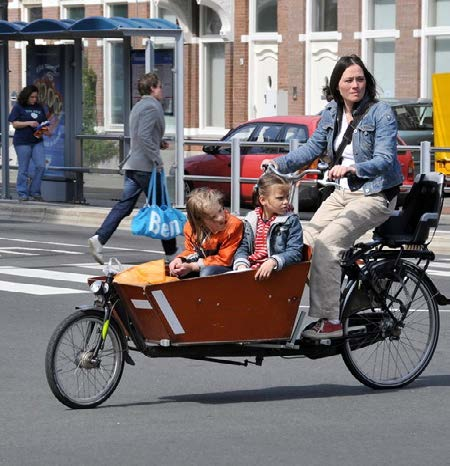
40, 290
15, 253
21, 248
45, 274
439, 273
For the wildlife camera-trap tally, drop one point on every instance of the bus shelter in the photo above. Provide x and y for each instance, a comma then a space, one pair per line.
74, 32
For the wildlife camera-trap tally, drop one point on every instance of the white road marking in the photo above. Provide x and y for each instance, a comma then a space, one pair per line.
45, 274
39, 290
84, 246
17, 253
21, 248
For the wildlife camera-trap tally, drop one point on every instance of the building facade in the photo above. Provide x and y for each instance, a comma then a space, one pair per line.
250, 58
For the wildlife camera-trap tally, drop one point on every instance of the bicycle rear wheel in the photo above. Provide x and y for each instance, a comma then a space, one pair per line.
380, 351
74, 376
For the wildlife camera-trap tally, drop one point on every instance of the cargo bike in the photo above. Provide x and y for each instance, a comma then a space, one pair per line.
389, 310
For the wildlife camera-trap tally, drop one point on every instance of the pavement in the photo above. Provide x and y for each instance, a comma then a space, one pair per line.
100, 201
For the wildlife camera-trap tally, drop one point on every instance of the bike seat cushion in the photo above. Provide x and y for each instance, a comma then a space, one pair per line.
421, 211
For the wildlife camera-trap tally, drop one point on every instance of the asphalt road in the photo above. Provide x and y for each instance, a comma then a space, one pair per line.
180, 412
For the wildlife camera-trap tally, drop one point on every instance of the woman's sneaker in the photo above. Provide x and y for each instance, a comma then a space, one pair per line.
323, 328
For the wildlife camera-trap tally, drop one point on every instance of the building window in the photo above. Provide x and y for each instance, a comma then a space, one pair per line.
75, 12
34, 13
266, 16
382, 14
441, 54
210, 23
166, 14
118, 9
214, 89
378, 43
383, 64
440, 13
324, 15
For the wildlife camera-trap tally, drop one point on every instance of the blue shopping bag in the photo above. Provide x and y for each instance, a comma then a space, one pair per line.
158, 222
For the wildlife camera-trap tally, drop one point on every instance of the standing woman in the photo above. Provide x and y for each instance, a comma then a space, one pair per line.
25, 117
367, 169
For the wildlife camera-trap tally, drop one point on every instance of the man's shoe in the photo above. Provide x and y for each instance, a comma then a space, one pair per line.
323, 329
168, 258
36, 198
96, 248
23, 198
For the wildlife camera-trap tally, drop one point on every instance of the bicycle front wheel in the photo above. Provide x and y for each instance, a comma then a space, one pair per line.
389, 346
75, 377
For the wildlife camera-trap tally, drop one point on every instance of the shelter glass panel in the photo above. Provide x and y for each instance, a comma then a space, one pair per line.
116, 97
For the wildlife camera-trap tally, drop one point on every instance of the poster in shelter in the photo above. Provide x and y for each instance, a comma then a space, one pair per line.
45, 69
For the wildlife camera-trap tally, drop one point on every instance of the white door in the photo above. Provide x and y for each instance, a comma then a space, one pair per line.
264, 81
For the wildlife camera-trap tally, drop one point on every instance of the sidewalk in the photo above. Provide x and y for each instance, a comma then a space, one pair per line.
92, 214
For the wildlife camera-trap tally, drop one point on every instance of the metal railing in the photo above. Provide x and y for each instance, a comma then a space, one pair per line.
234, 179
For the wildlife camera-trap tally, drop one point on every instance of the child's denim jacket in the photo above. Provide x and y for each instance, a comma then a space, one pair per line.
284, 240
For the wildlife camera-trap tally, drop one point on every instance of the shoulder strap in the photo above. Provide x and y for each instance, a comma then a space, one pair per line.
348, 135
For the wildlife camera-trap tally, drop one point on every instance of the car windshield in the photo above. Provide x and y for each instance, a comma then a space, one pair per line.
414, 116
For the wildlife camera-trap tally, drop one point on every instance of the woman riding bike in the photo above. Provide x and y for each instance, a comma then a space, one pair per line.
358, 133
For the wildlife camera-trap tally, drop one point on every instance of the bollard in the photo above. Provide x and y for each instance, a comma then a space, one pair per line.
236, 176
425, 157
293, 144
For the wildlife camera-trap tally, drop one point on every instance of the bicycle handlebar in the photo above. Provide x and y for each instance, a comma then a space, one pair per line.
297, 176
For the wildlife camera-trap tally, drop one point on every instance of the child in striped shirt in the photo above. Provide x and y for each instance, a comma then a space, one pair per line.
273, 236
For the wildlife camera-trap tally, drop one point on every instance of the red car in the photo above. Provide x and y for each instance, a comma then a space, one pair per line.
216, 161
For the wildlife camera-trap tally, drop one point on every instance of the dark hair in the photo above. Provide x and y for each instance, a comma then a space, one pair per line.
25, 93
147, 83
342, 64
265, 182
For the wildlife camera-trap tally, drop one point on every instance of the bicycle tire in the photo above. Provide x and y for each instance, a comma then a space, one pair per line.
378, 353
73, 378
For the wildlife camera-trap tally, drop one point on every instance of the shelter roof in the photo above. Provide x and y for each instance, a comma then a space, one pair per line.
92, 26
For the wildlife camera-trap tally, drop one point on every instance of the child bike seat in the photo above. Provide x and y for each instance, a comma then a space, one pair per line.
420, 212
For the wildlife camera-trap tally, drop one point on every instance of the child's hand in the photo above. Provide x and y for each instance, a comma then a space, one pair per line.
265, 271
174, 266
241, 267
179, 269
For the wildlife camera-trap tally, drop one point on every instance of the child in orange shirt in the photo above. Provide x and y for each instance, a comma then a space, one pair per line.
212, 236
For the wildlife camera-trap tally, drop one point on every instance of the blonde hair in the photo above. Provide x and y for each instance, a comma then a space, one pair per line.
198, 205
265, 183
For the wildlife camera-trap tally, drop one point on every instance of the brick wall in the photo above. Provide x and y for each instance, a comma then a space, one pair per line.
191, 88
349, 22
239, 83
291, 53
407, 50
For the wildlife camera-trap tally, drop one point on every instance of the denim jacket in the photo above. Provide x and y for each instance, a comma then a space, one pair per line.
284, 240
374, 148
